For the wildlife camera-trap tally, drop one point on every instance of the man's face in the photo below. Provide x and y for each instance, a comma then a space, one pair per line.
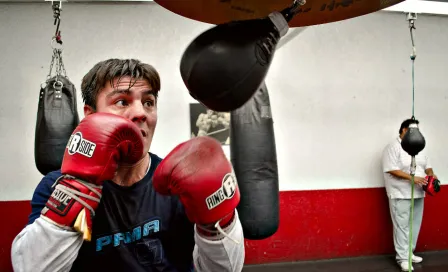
137, 104
403, 132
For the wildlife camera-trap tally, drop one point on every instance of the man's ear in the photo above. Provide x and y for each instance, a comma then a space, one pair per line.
88, 110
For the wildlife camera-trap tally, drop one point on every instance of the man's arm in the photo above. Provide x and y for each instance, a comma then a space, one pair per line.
390, 163
222, 253
389, 160
430, 172
199, 172
428, 168
400, 174
42, 246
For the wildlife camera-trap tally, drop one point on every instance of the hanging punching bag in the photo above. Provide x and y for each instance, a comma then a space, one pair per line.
57, 117
224, 66
413, 141
254, 158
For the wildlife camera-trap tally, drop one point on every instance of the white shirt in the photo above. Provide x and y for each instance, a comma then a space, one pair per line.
395, 158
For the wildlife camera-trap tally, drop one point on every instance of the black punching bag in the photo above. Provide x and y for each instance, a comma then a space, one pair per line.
57, 117
224, 66
254, 158
413, 141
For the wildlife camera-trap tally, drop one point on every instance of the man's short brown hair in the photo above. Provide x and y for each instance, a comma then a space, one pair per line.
111, 69
406, 123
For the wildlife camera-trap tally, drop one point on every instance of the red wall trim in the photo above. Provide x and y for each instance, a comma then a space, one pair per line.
319, 224
14, 215
343, 223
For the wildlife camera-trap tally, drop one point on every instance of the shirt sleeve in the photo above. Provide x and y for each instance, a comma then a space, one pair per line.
390, 161
41, 245
220, 255
428, 162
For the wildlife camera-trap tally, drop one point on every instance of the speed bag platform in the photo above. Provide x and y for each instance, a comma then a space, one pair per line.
57, 117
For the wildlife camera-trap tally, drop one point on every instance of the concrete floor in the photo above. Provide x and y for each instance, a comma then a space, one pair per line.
432, 262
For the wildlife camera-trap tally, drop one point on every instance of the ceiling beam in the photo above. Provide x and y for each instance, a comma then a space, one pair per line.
417, 6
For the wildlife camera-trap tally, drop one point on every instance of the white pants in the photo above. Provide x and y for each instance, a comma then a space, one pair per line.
400, 210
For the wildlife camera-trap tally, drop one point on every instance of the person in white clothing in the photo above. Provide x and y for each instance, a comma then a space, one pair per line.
396, 171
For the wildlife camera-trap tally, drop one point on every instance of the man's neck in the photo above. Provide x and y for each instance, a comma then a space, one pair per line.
129, 175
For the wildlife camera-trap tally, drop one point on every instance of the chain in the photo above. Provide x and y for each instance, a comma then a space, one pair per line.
56, 43
58, 64
63, 67
51, 65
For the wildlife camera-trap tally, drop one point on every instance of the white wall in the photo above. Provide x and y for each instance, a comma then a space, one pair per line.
339, 91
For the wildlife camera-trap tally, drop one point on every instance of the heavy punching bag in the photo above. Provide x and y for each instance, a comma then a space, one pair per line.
57, 117
254, 158
57, 114
223, 67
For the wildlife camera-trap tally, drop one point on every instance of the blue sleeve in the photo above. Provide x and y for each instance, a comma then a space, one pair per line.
41, 195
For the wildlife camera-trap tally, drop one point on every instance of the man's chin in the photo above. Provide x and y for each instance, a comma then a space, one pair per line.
131, 165
146, 145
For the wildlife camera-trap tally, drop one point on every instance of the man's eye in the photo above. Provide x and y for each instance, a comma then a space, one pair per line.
149, 103
121, 103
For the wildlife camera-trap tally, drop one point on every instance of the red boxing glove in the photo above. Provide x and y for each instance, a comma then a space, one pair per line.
433, 186
200, 173
96, 147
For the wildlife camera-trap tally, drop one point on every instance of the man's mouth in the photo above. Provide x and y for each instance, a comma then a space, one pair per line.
144, 134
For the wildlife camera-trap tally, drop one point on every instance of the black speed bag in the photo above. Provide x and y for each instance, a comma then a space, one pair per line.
57, 117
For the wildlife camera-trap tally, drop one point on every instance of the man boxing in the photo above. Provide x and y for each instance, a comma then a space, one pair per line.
115, 206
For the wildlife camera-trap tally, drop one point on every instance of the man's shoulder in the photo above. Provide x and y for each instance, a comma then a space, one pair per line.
42, 193
155, 158
393, 144
47, 181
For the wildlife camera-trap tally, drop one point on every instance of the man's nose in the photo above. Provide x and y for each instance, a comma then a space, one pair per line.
137, 112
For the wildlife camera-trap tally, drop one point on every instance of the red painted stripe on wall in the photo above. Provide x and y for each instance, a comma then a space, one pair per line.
313, 225
343, 223
14, 215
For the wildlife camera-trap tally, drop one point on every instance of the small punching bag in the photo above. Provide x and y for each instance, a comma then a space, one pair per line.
254, 158
57, 117
224, 66
413, 141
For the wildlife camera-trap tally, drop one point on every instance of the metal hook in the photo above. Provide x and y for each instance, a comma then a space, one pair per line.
296, 4
58, 85
292, 10
54, 41
57, 8
411, 18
